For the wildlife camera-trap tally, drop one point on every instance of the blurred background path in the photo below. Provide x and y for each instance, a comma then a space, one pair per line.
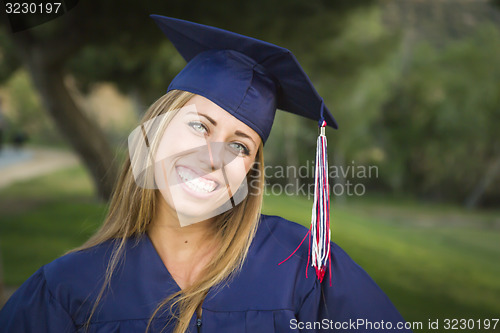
26, 163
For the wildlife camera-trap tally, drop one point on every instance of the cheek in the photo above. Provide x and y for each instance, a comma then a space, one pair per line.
237, 170
177, 139
251, 163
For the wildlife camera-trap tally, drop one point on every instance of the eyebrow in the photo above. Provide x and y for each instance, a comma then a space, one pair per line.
210, 119
244, 135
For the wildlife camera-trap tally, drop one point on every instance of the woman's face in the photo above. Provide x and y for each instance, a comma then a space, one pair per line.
202, 161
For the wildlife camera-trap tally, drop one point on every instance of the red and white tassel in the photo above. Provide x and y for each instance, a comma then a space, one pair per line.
319, 235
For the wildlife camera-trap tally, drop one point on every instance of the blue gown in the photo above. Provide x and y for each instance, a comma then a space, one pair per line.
263, 297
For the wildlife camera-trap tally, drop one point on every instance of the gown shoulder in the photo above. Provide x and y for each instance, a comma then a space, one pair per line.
352, 297
34, 308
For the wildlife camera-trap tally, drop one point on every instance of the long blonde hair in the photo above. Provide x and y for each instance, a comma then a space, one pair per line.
133, 208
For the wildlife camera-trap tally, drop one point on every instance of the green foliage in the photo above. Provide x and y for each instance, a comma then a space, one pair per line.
442, 119
147, 68
359, 71
27, 114
9, 59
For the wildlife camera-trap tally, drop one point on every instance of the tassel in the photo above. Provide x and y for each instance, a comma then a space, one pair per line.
319, 254
319, 235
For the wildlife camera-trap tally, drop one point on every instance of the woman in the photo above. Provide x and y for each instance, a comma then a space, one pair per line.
184, 246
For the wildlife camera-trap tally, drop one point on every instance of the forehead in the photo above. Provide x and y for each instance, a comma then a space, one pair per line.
205, 107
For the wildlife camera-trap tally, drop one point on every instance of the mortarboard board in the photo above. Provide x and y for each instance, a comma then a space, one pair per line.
250, 79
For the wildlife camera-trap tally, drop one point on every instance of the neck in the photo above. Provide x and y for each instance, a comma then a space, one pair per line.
183, 250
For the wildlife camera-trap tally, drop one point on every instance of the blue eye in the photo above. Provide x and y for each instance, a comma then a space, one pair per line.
198, 127
240, 148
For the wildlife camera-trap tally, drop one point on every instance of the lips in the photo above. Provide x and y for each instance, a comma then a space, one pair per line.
196, 182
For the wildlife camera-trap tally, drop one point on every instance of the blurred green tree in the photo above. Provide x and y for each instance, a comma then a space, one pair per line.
442, 119
28, 115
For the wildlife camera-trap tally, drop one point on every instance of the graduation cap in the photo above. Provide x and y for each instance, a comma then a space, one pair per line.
247, 77
250, 79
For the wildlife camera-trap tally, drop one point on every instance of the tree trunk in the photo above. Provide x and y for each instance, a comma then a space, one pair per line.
84, 135
44, 61
86, 138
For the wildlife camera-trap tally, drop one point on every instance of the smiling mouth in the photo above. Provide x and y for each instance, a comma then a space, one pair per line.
195, 182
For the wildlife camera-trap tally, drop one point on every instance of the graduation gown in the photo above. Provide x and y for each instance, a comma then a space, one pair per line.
263, 297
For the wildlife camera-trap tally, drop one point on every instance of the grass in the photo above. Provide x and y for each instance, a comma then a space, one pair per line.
433, 261
43, 218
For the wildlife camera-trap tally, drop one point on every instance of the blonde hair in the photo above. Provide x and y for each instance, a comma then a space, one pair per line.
132, 209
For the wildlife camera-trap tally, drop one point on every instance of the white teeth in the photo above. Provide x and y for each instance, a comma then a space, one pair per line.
195, 183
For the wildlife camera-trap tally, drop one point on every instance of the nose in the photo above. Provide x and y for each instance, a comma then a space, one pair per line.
212, 155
